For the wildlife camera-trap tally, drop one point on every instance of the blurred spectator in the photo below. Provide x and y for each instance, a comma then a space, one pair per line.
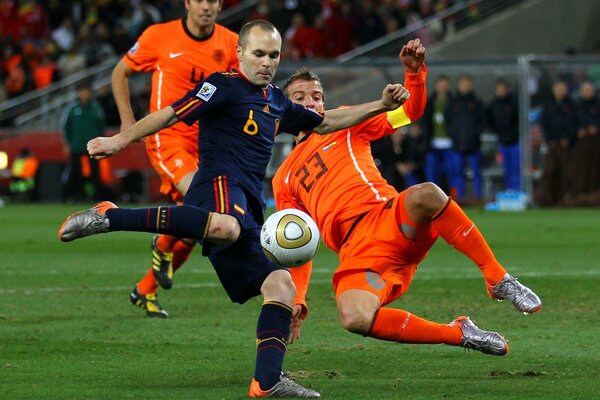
81, 122
33, 20
440, 157
369, 25
109, 106
412, 156
64, 35
559, 124
339, 27
94, 44
503, 120
386, 153
23, 173
9, 20
465, 121
71, 62
306, 41
45, 71
586, 163
17, 74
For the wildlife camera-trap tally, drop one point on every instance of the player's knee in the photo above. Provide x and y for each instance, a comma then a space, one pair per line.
427, 198
223, 229
279, 287
354, 319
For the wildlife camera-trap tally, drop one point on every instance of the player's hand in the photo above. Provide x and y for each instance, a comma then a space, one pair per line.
412, 55
296, 323
102, 147
394, 95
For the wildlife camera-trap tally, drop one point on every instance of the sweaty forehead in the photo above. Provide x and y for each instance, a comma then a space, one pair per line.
264, 41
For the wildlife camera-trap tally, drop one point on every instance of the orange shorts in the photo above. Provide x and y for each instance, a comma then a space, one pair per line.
173, 159
378, 256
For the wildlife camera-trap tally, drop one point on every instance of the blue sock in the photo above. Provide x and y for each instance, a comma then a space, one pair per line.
182, 221
272, 333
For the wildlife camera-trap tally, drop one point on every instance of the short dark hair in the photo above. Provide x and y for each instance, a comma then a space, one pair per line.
302, 74
261, 23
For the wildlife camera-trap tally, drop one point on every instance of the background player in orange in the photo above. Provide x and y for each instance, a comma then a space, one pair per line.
179, 54
334, 179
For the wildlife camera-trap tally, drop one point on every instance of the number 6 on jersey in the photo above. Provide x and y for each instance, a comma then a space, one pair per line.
290, 238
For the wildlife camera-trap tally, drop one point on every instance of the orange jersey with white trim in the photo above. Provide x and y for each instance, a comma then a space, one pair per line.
178, 61
334, 178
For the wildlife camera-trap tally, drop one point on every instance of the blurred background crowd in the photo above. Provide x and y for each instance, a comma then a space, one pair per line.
44, 41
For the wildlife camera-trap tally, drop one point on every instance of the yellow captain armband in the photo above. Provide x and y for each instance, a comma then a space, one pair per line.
398, 117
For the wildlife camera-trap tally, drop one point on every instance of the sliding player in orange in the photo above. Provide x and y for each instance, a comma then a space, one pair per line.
381, 235
179, 54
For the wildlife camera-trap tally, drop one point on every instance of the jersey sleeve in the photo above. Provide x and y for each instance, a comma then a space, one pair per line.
208, 94
387, 123
298, 118
142, 56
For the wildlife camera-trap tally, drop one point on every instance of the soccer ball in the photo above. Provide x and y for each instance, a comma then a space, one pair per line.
290, 238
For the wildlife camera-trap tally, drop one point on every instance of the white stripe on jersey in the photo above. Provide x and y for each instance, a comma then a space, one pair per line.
359, 170
157, 134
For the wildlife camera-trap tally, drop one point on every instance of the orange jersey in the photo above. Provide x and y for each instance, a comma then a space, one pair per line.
178, 61
334, 178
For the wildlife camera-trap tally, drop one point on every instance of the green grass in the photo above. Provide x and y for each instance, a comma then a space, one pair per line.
68, 331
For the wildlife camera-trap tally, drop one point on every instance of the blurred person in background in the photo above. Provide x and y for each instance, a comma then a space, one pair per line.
439, 157
503, 120
559, 126
586, 153
465, 121
82, 121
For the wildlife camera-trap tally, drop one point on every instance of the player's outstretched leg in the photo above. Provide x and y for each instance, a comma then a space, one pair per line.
477, 339
523, 298
85, 223
285, 388
149, 303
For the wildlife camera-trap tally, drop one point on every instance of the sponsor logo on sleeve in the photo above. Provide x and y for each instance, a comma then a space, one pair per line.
134, 48
206, 91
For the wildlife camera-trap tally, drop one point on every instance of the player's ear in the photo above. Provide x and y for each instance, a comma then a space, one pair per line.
238, 50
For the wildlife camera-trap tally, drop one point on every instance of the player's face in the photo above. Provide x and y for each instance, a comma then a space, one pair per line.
259, 58
307, 93
203, 13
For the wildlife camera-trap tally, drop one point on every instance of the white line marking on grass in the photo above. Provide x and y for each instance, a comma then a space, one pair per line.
200, 285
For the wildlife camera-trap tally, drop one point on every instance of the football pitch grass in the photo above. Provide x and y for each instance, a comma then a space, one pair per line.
68, 330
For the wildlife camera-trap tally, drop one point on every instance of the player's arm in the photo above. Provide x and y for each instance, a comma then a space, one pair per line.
412, 56
393, 96
301, 278
120, 89
102, 147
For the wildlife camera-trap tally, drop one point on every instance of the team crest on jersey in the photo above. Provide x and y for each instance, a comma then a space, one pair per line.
134, 48
218, 55
206, 91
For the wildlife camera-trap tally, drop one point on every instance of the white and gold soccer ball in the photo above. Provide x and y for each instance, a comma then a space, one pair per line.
290, 238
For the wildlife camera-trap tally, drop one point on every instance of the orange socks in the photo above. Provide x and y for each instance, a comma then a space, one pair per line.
461, 233
148, 283
401, 326
181, 252
167, 244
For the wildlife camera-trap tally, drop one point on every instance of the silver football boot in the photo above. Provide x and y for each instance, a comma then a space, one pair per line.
477, 339
85, 223
285, 388
523, 298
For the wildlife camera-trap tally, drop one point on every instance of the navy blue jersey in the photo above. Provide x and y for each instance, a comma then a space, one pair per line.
239, 122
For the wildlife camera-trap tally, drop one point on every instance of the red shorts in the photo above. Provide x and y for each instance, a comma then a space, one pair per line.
172, 158
383, 252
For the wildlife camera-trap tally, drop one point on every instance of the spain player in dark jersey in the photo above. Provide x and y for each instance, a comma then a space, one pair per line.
381, 235
240, 114
196, 47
